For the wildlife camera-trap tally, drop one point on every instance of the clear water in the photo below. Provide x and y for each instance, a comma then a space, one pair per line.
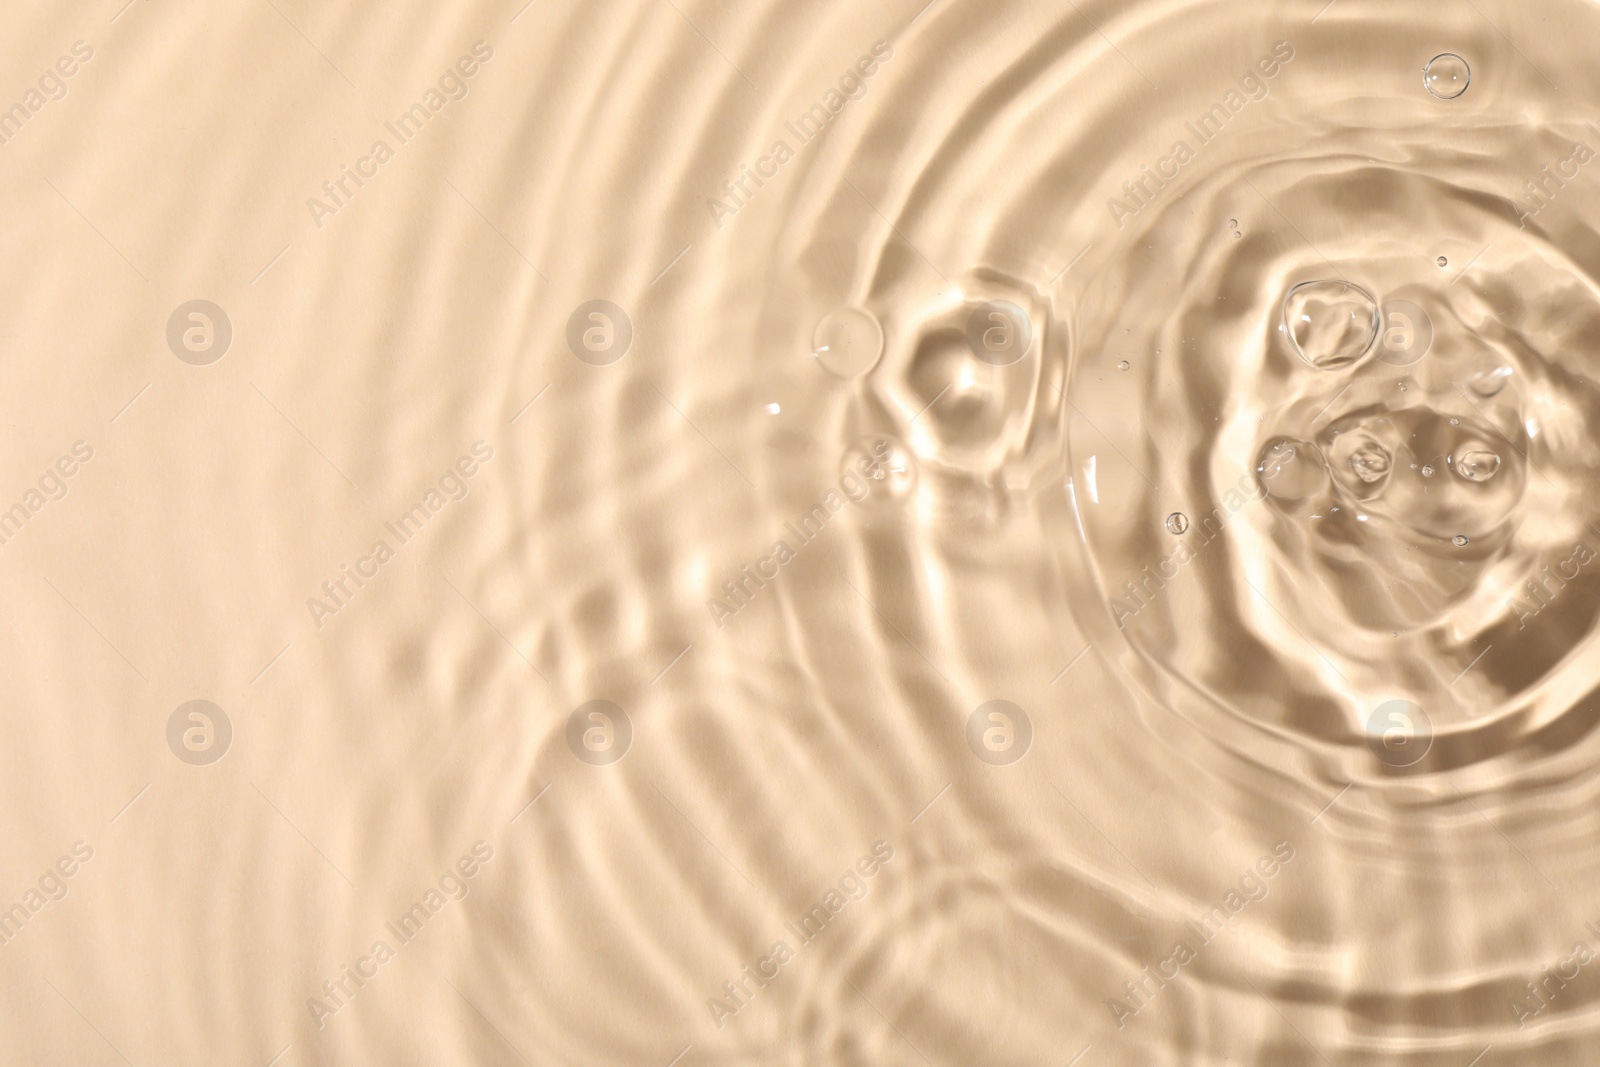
1039, 534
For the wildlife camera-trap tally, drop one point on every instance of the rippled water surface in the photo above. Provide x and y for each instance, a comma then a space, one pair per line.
685, 534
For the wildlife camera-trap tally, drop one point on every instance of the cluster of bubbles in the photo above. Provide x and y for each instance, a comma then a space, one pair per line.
1335, 326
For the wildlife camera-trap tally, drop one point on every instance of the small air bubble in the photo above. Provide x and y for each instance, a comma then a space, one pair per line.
1459, 540
1233, 224
1490, 379
1177, 522
1427, 471
1447, 76
1123, 365
1477, 465
1442, 261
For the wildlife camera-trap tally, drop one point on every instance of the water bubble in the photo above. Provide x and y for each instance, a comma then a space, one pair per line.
1370, 460
1427, 470
1459, 540
1490, 379
883, 466
1442, 261
1477, 464
1233, 224
1123, 365
1237, 234
1331, 324
848, 342
1447, 76
1177, 522
1289, 469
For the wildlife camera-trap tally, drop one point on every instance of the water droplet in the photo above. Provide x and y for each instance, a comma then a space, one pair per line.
1237, 234
1332, 324
1442, 261
1370, 461
882, 466
1459, 540
1447, 76
1177, 522
1289, 469
848, 342
1233, 224
1455, 422
1490, 379
1427, 470
1477, 464
1123, 365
